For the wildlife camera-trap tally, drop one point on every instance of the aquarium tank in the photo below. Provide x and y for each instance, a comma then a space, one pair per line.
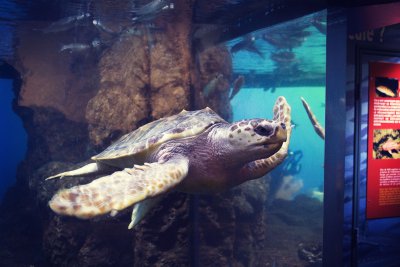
162, 133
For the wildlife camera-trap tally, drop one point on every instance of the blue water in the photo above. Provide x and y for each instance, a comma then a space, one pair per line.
256, 103
307, 67
13, 139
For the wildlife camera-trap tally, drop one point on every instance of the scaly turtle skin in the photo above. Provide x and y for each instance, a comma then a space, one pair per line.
193, 151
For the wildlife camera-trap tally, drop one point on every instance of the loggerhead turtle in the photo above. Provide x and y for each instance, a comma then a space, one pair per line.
193, 151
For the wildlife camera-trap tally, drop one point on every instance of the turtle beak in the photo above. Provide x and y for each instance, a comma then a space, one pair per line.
279, 134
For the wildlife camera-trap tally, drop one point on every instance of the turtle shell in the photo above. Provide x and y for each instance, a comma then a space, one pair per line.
149, 136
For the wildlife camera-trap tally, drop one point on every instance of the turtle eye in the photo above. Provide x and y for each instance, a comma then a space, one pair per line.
264, 130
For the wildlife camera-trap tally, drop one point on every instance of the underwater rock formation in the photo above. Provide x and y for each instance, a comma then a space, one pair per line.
143, 77
171, 62
231, 226
121, 101
212, 62
164, 236
294, 230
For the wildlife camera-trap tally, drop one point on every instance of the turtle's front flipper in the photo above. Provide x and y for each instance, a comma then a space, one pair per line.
258, 168
317, 127
120, 190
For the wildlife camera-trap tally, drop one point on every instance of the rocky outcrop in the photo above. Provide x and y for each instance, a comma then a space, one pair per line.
121, 103
231, 226
212, 62
143, 77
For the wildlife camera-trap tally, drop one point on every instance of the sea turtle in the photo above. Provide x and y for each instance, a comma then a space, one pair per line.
193, 151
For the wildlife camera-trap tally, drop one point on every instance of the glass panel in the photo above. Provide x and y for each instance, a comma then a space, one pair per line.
283, 211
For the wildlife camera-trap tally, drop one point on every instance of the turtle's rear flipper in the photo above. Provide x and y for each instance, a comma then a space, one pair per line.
120, 190
141, 209
91, 168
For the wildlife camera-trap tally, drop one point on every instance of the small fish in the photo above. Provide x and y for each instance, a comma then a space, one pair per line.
385, 91
390, 146
212, 85
75, 47
99, 25
294, 124
152, 8
317, 127
237, 85
201, 30
80, 47
96, 43
65, 23
282, 41
300, 35
283, 56
294, 27
141, 30
247, 44
132, 31
169, 6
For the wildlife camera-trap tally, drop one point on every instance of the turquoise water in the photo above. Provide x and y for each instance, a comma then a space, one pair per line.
301, 75
255, 102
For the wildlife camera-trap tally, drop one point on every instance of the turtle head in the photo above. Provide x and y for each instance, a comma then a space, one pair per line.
256, 138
